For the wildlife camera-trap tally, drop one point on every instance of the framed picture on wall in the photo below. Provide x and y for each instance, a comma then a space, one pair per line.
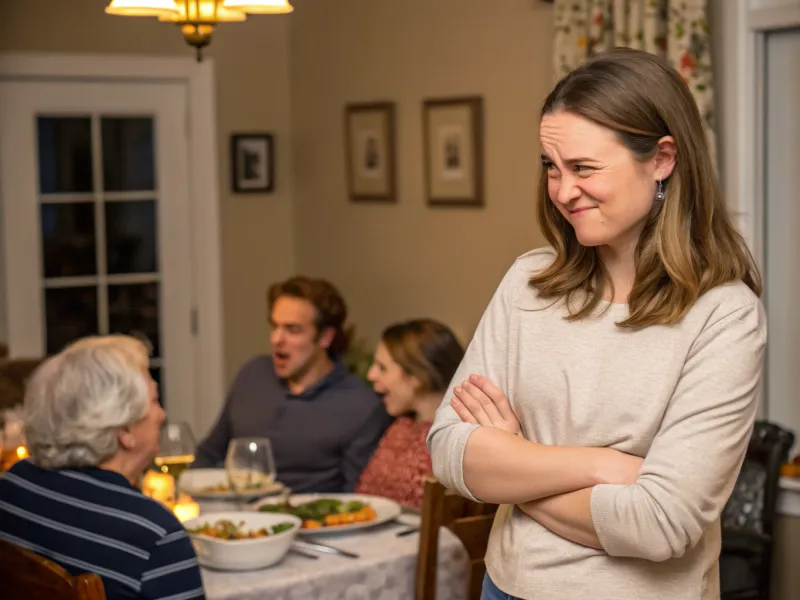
252, 163
370, 151
453, 150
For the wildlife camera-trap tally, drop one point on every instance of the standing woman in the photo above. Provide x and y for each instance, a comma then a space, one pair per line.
608, 395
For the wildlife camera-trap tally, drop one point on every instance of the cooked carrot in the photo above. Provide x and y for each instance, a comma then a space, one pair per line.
333, 520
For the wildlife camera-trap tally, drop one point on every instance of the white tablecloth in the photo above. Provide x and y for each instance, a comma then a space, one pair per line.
386, 570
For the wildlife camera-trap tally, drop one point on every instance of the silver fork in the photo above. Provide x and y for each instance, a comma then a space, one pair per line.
324, 548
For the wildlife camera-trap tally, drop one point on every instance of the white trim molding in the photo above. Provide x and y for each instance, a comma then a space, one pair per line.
203, 185
743, 26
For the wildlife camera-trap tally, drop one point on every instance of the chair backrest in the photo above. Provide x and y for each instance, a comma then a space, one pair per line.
752, 504
25, 575
470, 521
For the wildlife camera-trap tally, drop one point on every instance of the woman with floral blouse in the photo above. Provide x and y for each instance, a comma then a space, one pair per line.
413, 365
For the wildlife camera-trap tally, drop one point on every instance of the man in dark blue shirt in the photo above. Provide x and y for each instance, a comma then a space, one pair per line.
322, 421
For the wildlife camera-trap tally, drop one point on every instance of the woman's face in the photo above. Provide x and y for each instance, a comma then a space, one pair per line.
146, 431
597, 184
397, 387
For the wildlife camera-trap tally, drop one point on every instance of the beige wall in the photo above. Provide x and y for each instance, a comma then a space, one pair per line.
293, 75
252, 94
406, 259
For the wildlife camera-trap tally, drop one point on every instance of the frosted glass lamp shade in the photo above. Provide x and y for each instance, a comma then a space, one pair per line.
142, 8
260, 7
210, 11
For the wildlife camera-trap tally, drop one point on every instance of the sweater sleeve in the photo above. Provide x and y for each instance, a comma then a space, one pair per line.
694, 460
486, 355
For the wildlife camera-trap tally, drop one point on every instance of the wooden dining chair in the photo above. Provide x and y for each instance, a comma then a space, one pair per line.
470, 521
25, 575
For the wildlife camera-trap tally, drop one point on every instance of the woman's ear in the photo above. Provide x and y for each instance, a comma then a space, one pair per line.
666, 152
126, 439
415, 383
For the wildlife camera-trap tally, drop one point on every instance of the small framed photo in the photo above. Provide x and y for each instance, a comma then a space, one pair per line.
453, 139
370, 151
252, 163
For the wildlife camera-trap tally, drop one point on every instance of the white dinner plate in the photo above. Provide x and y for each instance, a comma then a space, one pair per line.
196, 483
386, 510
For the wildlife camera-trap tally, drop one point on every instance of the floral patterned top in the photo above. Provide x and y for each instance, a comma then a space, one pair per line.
398, 468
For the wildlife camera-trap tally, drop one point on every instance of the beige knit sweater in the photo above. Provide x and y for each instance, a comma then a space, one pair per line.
683, 396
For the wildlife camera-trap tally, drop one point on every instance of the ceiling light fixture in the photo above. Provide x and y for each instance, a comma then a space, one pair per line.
197, 18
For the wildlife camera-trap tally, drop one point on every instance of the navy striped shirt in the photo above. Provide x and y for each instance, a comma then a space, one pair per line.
93, 521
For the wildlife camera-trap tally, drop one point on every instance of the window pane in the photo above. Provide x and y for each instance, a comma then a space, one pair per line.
68, 239
128, 154
131, 237
157, 375
65, 154
133, 308
70, 313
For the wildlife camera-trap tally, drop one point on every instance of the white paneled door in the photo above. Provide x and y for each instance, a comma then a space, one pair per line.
96, 221
782, 224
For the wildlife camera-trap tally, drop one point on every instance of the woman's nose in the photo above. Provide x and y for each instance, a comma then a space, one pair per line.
371, 375
567, 190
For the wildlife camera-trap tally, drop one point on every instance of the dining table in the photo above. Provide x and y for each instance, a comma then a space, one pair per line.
384, 569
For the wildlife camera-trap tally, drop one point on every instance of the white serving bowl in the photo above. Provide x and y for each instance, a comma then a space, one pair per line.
243, 555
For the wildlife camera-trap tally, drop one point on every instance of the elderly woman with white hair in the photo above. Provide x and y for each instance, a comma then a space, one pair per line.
92, 427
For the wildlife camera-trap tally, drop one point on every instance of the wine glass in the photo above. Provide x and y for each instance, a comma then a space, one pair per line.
250, 464
175, 451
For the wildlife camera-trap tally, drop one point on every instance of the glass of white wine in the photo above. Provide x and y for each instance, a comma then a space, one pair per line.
250, 464
175, 451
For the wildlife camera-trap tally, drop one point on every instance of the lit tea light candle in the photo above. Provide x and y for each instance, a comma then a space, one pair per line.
22, 452
186, 509
159, 486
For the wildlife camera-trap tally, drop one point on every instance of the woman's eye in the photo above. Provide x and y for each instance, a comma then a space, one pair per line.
582, 169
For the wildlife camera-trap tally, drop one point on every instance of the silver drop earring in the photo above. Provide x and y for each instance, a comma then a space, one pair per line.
660, 192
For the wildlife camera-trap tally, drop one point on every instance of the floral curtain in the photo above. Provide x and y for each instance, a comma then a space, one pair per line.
675, 29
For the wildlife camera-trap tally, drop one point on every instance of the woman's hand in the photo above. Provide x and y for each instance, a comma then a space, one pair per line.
479, 401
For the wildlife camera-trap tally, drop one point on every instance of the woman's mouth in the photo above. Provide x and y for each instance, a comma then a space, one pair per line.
580, 211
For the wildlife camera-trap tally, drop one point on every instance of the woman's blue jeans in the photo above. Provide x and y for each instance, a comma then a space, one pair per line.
491, 592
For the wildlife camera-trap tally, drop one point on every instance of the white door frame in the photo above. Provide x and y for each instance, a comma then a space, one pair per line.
203, 187
744, 25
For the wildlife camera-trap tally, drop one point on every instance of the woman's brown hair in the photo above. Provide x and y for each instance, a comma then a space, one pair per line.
425, 349
689, 246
